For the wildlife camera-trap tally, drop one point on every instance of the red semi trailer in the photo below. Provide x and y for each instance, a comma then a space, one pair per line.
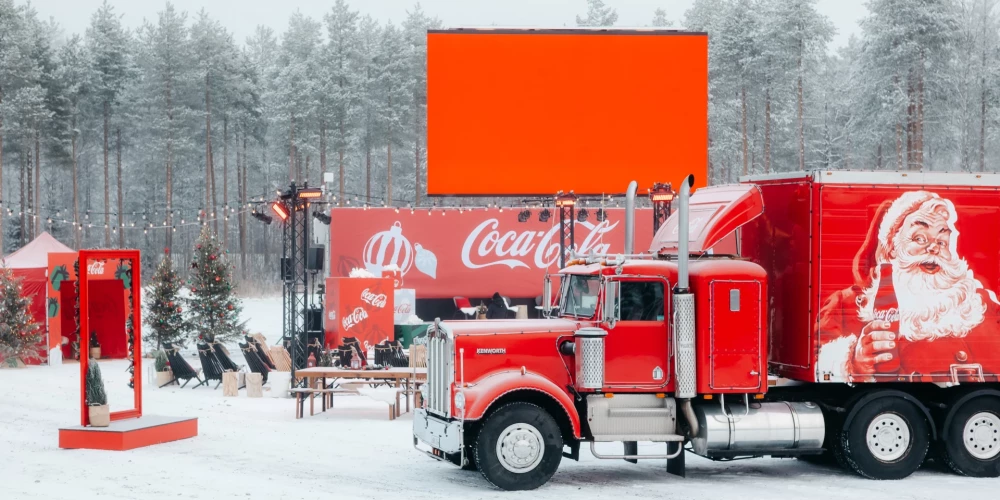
853, 322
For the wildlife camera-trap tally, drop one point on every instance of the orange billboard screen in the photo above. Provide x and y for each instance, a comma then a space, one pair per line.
522, 112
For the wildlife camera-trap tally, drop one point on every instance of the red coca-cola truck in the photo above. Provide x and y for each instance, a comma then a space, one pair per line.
858, 320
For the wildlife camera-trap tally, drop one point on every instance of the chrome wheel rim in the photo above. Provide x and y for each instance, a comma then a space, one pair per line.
981, 436
520, 448
888, 437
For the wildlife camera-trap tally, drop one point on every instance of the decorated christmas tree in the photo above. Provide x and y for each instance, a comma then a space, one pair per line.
215, 311
165, 315
20, 336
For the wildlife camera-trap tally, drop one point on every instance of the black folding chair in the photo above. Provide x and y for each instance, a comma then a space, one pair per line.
351, 341
224, 360
254, 362
181, 369
261, 353
382, 353
210, 366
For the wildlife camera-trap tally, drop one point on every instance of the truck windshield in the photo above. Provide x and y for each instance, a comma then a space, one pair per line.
579, 296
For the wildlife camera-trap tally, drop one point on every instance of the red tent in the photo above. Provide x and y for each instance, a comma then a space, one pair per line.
31, 263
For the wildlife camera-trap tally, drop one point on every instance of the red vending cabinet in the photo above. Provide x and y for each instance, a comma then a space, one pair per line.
359, 307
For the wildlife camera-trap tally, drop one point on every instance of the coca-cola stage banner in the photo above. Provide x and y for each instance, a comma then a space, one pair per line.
358, 307
473, 253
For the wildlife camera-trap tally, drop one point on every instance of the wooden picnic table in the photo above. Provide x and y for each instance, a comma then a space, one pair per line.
396, 376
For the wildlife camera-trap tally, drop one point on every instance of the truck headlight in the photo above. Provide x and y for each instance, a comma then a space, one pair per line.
460, 400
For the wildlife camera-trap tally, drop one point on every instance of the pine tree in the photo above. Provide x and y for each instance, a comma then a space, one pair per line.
598, 15
215, 311
660, 19
96, 393
19, 334
108, 42
165, 315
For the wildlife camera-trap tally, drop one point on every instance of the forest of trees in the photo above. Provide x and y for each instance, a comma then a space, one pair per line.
120, 137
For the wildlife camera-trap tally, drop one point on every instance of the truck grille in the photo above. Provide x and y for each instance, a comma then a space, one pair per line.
440, 370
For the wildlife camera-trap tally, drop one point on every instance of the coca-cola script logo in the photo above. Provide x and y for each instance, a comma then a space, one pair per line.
354, 318
486, 246
891, 314
95, 268
375, 300
404, 308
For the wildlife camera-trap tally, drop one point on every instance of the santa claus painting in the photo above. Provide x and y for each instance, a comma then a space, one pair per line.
916, 312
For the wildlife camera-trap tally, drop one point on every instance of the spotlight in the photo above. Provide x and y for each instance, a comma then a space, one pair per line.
601, 216
280, 210
310, 193
325, 219
266, 219
544, 215
524, 215
582, 215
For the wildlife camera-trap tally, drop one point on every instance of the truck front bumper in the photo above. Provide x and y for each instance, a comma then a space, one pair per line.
441, 435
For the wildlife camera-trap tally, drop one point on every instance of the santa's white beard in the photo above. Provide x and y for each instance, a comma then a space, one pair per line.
932, 306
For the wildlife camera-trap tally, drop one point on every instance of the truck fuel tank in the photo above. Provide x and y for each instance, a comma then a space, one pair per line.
758, 427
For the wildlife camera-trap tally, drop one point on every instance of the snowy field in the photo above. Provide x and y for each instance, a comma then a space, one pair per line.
255, 448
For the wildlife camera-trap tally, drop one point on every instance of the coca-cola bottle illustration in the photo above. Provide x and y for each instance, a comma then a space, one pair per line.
886, 308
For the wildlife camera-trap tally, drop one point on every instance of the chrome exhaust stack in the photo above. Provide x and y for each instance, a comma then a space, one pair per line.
684, 315
630, 218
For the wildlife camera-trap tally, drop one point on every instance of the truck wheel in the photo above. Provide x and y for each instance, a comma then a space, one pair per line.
519, 447
888, 439
972, 446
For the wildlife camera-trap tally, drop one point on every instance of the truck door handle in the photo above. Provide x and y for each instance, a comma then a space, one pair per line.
754, 373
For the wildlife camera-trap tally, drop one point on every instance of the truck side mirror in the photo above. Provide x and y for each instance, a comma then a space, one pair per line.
547, 296
612, 310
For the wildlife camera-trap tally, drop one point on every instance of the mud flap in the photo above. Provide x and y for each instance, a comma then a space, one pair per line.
574, 450
675, 466
631, 448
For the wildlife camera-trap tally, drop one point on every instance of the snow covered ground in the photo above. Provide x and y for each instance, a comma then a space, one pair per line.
255, 448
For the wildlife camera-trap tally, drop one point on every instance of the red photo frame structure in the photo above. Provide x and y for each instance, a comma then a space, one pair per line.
131, 256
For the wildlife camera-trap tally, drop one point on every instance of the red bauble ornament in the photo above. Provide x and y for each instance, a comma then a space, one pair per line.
178, 310
230, 307
170, 304
198, 247
218, 278
211, 257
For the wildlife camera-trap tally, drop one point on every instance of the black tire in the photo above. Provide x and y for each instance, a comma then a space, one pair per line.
900, 435
528, 420
983, 414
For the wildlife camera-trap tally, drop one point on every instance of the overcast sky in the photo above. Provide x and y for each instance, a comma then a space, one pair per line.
240, 17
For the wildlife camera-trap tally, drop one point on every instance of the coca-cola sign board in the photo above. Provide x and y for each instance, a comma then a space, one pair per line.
473, 253
404, 305
360, 308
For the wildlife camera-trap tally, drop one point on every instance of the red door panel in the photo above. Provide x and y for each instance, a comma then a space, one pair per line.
735, 334
637, 350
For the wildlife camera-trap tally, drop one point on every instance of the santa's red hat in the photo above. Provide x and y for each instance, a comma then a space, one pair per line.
887, 220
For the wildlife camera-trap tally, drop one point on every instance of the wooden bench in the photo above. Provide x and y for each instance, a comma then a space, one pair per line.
303, 392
